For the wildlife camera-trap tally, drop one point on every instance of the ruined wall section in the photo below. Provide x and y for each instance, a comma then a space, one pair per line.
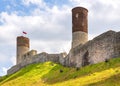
117, 45
97, 50
101, 48
31, 57
27, 57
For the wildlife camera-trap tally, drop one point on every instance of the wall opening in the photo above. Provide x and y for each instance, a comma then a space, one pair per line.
85, 60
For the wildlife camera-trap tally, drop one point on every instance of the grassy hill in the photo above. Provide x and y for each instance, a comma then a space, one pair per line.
51, 74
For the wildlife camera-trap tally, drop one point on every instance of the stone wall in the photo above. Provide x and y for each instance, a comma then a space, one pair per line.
79, 26
101, 48
78, 38
22, 47
117, 45
29, 58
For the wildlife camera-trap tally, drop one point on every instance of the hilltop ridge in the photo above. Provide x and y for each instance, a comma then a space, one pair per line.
52, 74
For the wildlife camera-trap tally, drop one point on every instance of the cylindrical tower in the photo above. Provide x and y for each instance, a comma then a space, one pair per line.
79, 26
22, 47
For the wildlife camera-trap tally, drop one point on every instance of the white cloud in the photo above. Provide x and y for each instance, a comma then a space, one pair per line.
4, 71
39, 3
91, 36
8, 7
51, 21
45, 29
3, 57
84, 3
99, 8
114, 3
10, 24
13, 60
51, 46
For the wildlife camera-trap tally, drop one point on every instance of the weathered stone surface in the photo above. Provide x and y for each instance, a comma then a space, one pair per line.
22, 47
79, 19
78, 38
102, 47
117, 45
79, 26
82, 53
14, 69
30, 58
97, 50
62, 58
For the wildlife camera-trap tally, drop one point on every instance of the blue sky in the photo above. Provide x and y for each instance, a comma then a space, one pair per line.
48, 24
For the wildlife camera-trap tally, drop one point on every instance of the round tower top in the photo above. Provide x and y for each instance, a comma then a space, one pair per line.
79, 19
79, 9
22, 41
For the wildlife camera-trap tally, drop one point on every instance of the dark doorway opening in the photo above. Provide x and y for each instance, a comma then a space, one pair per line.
85, 60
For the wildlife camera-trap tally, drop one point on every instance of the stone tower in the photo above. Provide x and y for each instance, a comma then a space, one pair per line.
79, 26
22, 47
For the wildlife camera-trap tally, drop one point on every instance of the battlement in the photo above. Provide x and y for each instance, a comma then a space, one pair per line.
29, 55
23, 41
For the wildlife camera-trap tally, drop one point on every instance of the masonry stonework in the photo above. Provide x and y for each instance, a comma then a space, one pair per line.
37, 58
79, 26
97, 50
82, 53
22, 47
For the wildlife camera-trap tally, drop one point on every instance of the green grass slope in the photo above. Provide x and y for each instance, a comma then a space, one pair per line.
51, 74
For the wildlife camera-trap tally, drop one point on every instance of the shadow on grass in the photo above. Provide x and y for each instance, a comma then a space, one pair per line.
55, 76
112, 81
58, 74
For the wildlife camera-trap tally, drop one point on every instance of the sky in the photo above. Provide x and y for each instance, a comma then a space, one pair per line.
48, 24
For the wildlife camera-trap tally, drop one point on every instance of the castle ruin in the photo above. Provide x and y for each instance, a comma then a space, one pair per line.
82, 52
